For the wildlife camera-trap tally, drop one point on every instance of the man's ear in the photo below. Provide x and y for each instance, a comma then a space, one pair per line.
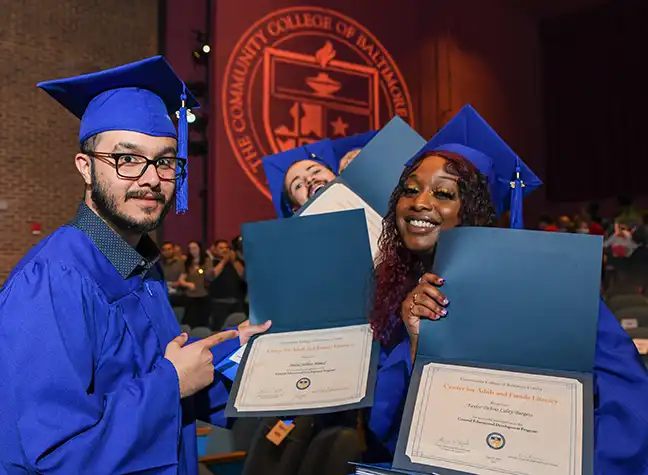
84, 164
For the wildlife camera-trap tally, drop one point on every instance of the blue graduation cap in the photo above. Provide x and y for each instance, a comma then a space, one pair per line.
138, 97
276, 167
510, 179
346, 144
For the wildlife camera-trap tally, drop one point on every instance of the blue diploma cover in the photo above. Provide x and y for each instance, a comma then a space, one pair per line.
304, 274
374, 173
520, 301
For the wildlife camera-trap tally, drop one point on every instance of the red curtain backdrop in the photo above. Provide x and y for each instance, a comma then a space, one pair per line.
596, 98
286, 74
447, 58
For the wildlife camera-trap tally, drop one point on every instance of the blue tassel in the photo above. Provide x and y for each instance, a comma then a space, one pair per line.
517, 195
182, 188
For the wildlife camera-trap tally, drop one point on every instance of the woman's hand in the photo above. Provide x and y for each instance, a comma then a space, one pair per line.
424, 301
247, 331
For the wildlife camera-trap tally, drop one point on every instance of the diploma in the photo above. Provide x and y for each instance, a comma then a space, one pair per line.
339, 197
306, 369
491, 422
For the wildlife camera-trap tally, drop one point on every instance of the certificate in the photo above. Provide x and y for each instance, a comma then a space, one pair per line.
306, 369
338, 197
490, 422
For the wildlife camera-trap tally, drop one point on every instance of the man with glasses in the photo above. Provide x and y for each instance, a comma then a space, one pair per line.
96, 377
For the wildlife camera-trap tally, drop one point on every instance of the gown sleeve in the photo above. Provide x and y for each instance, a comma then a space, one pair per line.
621, 401
48, 354
392, 382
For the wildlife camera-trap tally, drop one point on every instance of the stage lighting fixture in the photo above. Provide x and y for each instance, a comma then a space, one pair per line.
200, 54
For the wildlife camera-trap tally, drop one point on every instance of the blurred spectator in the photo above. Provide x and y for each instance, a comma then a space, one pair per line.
177, 248
640, 255
629, 215
173, 268
228, 288
621, 243
596, 223
546, 223
566, 225
583, 226
197, 270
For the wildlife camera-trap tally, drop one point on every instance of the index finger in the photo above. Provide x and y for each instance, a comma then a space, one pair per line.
217, 338
431, 279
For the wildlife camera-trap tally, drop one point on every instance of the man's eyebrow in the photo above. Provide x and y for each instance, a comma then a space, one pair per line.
127, 146
133, 147
167, 151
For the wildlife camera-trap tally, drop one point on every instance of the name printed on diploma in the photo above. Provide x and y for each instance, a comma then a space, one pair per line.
306, 369
339, 197
491, 422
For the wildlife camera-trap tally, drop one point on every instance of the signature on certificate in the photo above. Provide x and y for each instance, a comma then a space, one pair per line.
530, 458
453, 445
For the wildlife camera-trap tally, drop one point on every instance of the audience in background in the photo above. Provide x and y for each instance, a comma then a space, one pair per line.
625, 252
206, 287
209, 286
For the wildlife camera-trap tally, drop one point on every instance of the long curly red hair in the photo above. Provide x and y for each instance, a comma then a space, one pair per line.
398, 269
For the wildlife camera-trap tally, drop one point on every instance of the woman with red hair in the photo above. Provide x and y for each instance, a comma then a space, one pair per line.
459, 184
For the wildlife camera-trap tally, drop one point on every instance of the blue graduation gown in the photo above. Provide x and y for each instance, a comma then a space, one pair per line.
85, 387
621, 399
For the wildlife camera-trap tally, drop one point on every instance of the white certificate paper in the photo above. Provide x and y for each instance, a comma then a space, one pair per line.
306, 370
490, 422
339, 197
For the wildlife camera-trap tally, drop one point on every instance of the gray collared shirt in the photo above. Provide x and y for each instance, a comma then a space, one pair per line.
128, 261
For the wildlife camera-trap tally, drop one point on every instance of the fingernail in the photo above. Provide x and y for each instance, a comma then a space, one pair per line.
443, 312
442, 281
446, 301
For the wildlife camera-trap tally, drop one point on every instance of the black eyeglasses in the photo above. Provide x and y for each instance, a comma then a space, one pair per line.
130, 165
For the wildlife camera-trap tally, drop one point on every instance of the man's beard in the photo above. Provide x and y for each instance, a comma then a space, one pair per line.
106, 204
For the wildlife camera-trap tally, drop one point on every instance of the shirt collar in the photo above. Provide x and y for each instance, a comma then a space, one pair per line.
128, 260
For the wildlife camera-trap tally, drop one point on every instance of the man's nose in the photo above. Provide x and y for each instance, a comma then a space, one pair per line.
149, 178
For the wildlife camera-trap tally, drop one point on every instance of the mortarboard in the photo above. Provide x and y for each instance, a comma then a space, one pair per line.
510, 179
346, 144
276, 167
138, 97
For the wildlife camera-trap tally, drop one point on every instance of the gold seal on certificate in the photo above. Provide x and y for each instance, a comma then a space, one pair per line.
491, 422
306, 369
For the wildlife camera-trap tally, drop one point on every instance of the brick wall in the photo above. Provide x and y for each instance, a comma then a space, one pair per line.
42, 40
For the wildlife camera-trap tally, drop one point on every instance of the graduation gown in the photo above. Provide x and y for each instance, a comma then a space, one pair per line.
85, 387
620, 399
